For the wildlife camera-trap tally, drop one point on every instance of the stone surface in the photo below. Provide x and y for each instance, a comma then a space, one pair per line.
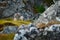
50, 14
10, 29
17, 6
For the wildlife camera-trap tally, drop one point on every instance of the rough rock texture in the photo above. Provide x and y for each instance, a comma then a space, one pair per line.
10, 29
24, 7
50, 14
14, 6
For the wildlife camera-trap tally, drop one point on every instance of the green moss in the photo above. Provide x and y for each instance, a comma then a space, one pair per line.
40, 9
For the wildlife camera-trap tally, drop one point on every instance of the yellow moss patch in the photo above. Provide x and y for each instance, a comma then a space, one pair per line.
10, 22
18, 22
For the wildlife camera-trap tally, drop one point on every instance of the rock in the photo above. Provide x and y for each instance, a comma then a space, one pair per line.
28, 33
18, 37
10, 29
52, 13
17, 16
17, 6
41, 25
20, 33
41, 19
54, 27
22, 26
57, 18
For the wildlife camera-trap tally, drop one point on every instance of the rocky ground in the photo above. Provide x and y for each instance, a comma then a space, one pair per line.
48, 23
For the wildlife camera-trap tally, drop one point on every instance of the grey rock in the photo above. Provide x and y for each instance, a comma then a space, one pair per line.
17, 7
10, 29
50, 14
55, 27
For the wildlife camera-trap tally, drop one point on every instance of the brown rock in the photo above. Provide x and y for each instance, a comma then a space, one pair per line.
41, 25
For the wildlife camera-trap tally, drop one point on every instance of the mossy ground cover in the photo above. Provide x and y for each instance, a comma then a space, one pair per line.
17, 23
9, 21
6, 36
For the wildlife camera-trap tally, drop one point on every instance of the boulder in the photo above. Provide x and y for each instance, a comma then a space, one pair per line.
10, 29
52, 13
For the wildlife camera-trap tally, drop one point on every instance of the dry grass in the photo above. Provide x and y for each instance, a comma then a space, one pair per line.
6, 36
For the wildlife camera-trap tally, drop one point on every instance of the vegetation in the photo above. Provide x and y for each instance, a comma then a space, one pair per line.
6, 36
40, 9
11, 21
3, 22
